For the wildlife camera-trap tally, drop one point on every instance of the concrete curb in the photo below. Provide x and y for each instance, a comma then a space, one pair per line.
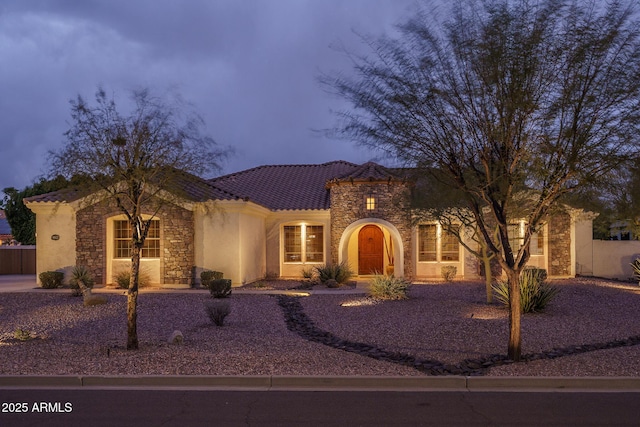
320, 383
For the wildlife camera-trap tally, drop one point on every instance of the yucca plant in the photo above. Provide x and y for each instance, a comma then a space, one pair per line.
339, 273
535, 292
81, 280
636, 269
385, 287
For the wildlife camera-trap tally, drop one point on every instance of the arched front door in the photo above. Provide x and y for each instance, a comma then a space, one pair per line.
370, 250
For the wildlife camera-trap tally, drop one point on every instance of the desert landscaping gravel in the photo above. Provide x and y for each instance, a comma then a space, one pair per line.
447, 322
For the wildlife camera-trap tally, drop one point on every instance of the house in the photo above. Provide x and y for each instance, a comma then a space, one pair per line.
279, 220
5, 230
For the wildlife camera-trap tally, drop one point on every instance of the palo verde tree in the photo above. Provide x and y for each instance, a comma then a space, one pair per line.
515, 103
133, 160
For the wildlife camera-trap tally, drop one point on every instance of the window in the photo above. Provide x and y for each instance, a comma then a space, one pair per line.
122, 240
315, 243
429, 243
370, 203
303, 243
516, 239
450, 247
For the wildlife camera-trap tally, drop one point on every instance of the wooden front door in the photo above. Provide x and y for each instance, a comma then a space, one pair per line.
370, 250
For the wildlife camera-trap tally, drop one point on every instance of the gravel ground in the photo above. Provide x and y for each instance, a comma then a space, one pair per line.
445, 322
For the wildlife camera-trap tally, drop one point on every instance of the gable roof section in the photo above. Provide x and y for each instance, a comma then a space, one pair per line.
276, 187
184, 185
286, 187
369, 172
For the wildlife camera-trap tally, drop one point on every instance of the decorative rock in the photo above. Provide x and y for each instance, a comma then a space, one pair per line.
176, 338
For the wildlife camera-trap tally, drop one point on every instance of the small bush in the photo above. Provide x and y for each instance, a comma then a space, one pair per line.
220, 288
636, 269
51, 279
308, 273
449, 272
208, 275
338, 272
80, 279
122, 279
388, 288
535, 293
22, 334
217, 311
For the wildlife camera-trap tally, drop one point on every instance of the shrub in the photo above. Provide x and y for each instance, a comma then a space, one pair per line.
51, 279
218, 287
535, 293
449, 272
122, 279
388, 288
217, 311
308, 273
636, 269
338, 272
22, 334
208, 275
80, 279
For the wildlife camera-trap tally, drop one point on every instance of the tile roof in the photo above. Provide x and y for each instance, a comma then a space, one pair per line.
369, 172
276, 187
185, 184
286, 187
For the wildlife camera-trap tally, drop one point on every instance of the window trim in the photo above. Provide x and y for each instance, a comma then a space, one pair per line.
303, 243
146, 248
438, 242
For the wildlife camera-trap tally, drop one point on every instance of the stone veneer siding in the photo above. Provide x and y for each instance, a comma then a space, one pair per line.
348, 206
559, 228
176, 244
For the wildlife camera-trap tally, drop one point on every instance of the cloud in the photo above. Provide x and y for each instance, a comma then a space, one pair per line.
249, 68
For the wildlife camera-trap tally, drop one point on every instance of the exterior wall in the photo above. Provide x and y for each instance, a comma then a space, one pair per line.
55, 220
94, 248
348, 206
611, 258
584, 250
467, 267
560, 254
274, 240
230, 238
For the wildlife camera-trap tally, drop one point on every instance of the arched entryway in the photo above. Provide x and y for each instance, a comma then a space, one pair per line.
349, 243
370, 250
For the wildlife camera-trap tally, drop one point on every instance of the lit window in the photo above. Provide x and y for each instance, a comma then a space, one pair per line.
516, 239
370, 203
429, 243
303, 243
450, 247
122, 240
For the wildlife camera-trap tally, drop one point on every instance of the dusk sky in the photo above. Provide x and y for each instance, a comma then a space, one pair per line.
249, 67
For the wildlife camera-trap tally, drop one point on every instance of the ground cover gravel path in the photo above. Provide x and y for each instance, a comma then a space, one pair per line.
591, 329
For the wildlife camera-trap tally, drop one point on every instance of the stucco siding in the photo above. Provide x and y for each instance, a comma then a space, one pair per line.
55, 238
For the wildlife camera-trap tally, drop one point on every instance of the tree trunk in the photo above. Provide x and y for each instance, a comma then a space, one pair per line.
514, 350
132, 299
488, 275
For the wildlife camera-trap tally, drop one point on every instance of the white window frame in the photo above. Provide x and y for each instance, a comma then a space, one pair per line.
303, 243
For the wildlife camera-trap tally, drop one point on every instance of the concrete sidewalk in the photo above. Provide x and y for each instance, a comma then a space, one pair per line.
28, 283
